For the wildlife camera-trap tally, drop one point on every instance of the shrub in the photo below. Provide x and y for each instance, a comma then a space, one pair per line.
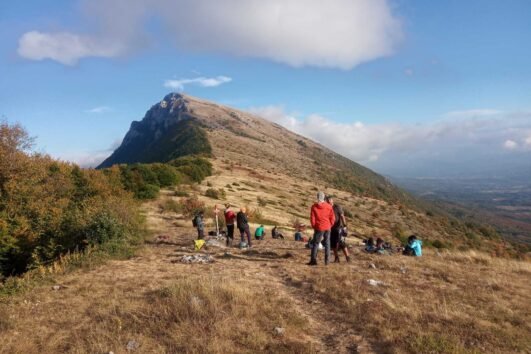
103, 228
261, 201
192, 205
196, 168
170, 205
49, 208
212, 193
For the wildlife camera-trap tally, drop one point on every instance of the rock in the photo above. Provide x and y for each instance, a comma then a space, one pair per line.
132, 345
373, 282
372, 265
197, 258
56, 287
214, 243
403, 270
279, 331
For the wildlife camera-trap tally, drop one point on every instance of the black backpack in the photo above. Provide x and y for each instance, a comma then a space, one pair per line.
195, 222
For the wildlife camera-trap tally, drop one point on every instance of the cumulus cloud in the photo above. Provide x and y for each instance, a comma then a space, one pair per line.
510, 144
64, 47
99, 109
461, 134
199, 81
334, 34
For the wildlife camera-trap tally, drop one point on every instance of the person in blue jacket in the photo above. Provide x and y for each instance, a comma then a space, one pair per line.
413, 247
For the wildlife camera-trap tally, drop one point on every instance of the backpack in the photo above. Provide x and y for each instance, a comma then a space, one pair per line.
195, 222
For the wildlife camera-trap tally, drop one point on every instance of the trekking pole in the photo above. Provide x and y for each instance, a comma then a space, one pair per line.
216, 210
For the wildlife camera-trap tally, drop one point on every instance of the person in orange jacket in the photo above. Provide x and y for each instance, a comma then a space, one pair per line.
322, 218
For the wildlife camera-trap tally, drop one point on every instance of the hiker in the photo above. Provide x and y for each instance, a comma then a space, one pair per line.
413, 247
230, 216
199, 225
322, 218
338, 230
298, 234
259, 233
369, 245
276, 234
243, 226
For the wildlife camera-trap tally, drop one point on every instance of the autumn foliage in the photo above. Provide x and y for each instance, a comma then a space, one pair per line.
49, 207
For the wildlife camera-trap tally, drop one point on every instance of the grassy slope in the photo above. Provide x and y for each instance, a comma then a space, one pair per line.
440, 303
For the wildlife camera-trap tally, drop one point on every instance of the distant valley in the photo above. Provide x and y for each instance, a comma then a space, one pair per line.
505, 203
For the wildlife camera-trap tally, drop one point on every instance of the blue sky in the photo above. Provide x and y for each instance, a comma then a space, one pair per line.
402, 86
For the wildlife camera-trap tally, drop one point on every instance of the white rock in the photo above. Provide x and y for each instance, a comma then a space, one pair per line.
279, 331
373, 282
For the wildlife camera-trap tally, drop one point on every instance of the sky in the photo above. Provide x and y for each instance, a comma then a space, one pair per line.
409, 88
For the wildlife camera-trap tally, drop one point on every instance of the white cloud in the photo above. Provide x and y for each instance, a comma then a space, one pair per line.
370, 142
199, 81
88, 159
334, 34
99, 109
510, 144
64, 47
528, 141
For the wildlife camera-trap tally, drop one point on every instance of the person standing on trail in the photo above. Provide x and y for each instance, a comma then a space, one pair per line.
230, 216
338, 228
243, 226
322, 218
199, 223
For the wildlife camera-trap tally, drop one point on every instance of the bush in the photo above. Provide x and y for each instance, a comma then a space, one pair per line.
49, 208
192, 205
170, 205
103, 228
261, 201
196, 168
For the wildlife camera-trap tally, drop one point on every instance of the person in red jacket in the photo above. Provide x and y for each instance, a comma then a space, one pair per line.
322, 218
230, 216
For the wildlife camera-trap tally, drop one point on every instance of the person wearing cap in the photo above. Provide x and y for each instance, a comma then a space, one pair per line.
322, 218
230, 216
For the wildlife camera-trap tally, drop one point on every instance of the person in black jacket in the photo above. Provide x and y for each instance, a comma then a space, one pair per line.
243, 226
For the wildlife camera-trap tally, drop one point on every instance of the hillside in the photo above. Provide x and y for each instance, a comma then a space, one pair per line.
447, 302
287, 170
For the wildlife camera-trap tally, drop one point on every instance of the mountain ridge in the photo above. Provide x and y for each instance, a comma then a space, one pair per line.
286, 169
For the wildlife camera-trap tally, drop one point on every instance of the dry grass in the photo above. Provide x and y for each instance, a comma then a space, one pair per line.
448, 302
452, 303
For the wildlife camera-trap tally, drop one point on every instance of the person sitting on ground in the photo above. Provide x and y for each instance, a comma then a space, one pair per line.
199, 225
322, 218
259, 233
275, 233
298, 234
230, 216
337, 230
369, 245
243, 226
413, 247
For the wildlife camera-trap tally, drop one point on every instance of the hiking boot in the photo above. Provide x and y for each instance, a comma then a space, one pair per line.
336, 260
312, 263
348, 259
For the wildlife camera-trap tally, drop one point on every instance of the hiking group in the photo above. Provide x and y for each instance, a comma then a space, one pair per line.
328, 222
